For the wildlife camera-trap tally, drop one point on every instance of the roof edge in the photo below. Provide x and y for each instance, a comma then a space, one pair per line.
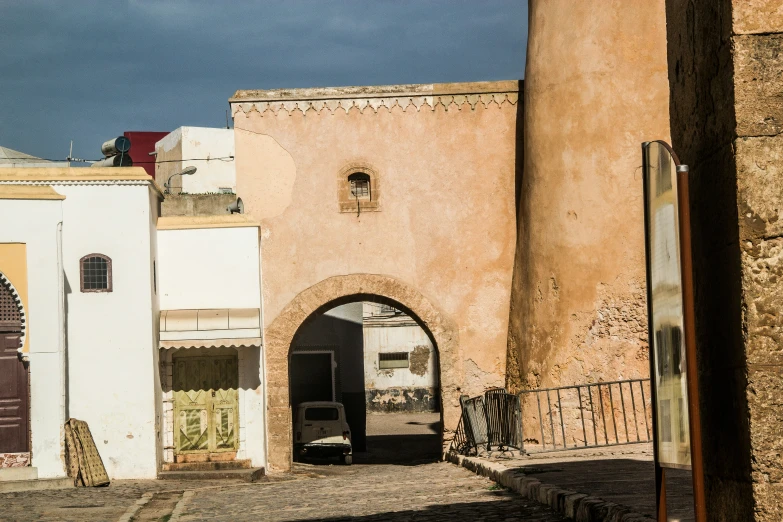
29, 192
375, 91
195, 222
74, 174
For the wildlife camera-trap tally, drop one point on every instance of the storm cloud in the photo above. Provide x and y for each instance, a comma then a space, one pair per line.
89, 70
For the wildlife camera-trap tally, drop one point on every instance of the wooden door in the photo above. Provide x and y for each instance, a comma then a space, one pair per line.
206, 404
14, 405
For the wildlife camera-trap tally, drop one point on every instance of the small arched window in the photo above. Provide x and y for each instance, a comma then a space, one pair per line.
360, 185
358, 188
95, 272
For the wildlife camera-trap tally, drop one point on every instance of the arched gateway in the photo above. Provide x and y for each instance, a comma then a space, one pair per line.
340, 290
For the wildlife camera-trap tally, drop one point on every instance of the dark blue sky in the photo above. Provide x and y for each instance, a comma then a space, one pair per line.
89, 70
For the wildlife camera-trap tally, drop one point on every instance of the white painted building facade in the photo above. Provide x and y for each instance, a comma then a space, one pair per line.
211, 151
32, 263
400, 362
103, 352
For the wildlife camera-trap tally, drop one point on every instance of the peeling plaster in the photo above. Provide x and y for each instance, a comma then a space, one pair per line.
419, 358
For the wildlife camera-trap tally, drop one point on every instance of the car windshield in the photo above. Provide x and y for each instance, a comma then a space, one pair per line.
321, 414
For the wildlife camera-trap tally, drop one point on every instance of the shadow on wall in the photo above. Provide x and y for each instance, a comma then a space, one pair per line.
703, 125
514, 369
249, 366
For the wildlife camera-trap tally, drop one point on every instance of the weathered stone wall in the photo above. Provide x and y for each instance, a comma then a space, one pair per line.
726, 76
196, 204
442, 164
595, 88
396, 400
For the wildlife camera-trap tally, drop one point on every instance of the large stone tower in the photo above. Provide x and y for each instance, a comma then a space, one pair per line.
595, 88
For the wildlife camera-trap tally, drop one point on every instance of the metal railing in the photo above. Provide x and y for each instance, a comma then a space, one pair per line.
586, 415
474, 418
491, 421
504, 419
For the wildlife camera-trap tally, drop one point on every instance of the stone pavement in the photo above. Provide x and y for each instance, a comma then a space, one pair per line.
425, 492
622, 475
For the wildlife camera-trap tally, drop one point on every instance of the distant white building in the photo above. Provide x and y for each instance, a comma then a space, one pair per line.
400, 363
113, 315
14, 158
210, 150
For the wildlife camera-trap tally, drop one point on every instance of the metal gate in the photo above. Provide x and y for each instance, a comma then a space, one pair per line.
489, 422
504, 419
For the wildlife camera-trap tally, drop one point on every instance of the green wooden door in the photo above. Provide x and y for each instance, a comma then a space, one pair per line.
206, 404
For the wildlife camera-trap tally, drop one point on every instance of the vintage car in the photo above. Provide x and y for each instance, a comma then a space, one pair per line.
321, 431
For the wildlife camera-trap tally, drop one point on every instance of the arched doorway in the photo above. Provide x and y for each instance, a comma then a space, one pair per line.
342, 290
375, 359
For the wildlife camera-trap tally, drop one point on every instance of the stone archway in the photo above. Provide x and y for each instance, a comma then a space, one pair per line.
281, 331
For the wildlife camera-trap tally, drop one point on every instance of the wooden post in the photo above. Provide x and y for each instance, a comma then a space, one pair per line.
689, 325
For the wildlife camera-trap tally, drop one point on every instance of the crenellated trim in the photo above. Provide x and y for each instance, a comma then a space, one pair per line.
419, 103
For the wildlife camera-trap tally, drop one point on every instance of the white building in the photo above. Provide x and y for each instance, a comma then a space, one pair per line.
123, 324
400, 363
210, 150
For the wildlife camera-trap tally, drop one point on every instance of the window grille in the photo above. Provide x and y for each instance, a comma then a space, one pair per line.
360, 185
392, 360
95, 271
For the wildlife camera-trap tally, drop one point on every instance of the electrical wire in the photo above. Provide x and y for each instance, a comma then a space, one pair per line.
33, 160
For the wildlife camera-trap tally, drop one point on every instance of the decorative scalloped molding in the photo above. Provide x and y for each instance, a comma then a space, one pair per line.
53, 182
4, 281
449, 102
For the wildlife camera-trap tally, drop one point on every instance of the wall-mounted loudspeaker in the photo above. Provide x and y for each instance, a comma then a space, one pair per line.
237, 207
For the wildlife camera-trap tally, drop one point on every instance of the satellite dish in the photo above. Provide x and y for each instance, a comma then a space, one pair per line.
237, 207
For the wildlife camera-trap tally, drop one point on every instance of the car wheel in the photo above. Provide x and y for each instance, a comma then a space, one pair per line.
347, 460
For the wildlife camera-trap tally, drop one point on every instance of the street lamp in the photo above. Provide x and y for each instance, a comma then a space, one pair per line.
187, 172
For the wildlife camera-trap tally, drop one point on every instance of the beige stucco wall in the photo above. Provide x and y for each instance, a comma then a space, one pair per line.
595, 88
445, 224
13, 265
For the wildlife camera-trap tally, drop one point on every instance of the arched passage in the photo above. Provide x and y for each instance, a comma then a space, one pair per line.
340, 290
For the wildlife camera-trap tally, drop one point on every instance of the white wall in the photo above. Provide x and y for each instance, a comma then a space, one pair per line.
34, 222
198, 143
219, 268
152, 224
396, 339
209, 268
111, 350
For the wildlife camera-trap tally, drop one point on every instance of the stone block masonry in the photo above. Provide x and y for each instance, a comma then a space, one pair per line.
725, 75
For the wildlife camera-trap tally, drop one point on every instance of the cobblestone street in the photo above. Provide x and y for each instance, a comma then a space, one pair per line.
435, 491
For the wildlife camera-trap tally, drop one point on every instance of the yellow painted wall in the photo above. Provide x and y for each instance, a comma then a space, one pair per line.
13, 265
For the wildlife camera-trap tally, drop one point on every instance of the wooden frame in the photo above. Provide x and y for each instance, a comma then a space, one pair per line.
682, 204
109, 278
348, 202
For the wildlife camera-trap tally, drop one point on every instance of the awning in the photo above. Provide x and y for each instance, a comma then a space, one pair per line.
210, 328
